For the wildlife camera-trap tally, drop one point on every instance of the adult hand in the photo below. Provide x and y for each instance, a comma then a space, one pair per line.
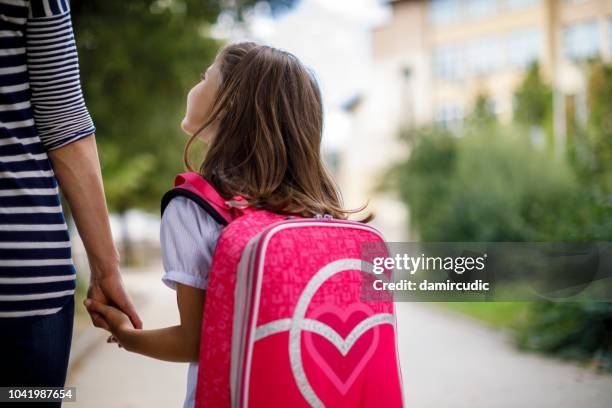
109, 290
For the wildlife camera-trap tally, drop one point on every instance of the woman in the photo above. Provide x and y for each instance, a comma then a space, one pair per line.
46, 137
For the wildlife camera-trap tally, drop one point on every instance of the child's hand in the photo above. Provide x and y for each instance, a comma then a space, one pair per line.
118, 321
113, 339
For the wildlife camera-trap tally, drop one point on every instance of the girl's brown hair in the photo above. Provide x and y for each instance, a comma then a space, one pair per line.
269, 115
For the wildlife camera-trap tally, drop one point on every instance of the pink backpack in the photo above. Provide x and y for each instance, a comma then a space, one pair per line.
284, 321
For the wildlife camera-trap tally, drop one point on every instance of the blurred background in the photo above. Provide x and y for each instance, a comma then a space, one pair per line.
458, 120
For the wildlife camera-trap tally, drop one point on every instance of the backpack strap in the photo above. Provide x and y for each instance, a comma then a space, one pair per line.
198, 189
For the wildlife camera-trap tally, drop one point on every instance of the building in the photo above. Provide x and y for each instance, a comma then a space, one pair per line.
453, 50
433, 58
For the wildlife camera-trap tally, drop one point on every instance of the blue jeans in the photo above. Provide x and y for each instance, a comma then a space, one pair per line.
34, 351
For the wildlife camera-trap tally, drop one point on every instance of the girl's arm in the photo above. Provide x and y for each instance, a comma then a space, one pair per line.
176, 343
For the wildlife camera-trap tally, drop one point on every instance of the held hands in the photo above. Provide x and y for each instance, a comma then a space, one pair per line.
109, 290
117, 322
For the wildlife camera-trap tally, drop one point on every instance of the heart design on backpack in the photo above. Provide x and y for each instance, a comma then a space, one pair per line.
344, 349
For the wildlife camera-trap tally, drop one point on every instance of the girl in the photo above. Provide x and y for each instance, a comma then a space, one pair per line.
260, 111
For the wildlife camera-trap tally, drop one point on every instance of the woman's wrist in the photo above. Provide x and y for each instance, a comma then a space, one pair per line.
104, 267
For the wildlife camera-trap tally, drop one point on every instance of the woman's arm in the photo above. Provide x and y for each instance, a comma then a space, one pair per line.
77, 169
176, 343
66, 131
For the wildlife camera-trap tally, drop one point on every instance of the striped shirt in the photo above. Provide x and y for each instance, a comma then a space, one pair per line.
41, 108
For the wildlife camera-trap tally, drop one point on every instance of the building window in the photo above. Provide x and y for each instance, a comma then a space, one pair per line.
447, 62
492, 106
481, 8
610, 37
575, 1
524, 47
521, 4
449, 116
581, 40
484, 55
444, 11
581, 108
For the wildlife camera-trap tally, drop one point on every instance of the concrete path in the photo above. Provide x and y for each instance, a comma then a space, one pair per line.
110, 377
447, 360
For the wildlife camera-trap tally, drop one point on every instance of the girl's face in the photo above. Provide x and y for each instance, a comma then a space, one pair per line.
199, 103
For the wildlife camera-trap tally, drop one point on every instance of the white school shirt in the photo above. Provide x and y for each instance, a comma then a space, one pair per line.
188, 237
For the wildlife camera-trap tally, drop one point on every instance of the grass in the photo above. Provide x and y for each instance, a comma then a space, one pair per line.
495, 314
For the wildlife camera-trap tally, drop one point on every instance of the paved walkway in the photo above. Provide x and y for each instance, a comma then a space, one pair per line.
110, 377
447, 360
450, 361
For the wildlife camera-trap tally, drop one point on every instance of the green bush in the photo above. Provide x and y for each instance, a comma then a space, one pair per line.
578, 331
489, 184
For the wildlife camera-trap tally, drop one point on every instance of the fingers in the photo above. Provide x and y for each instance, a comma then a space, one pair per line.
113, 339
95, 306
128, 308
98, 313
115, 293
98, 321
124, 303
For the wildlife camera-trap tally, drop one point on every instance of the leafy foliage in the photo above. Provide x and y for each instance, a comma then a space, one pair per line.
470, 188
139, 58
579, 331
583, 331
533, 99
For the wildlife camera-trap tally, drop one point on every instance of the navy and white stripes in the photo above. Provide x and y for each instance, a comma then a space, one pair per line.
41, 108
53, 67
48, 8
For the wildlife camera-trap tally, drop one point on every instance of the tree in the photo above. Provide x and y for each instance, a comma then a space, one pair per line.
138, 60
533, 99
533, 105
483, 112
599, 127
592, 151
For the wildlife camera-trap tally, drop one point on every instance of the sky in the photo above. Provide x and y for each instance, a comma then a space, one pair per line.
332, 37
